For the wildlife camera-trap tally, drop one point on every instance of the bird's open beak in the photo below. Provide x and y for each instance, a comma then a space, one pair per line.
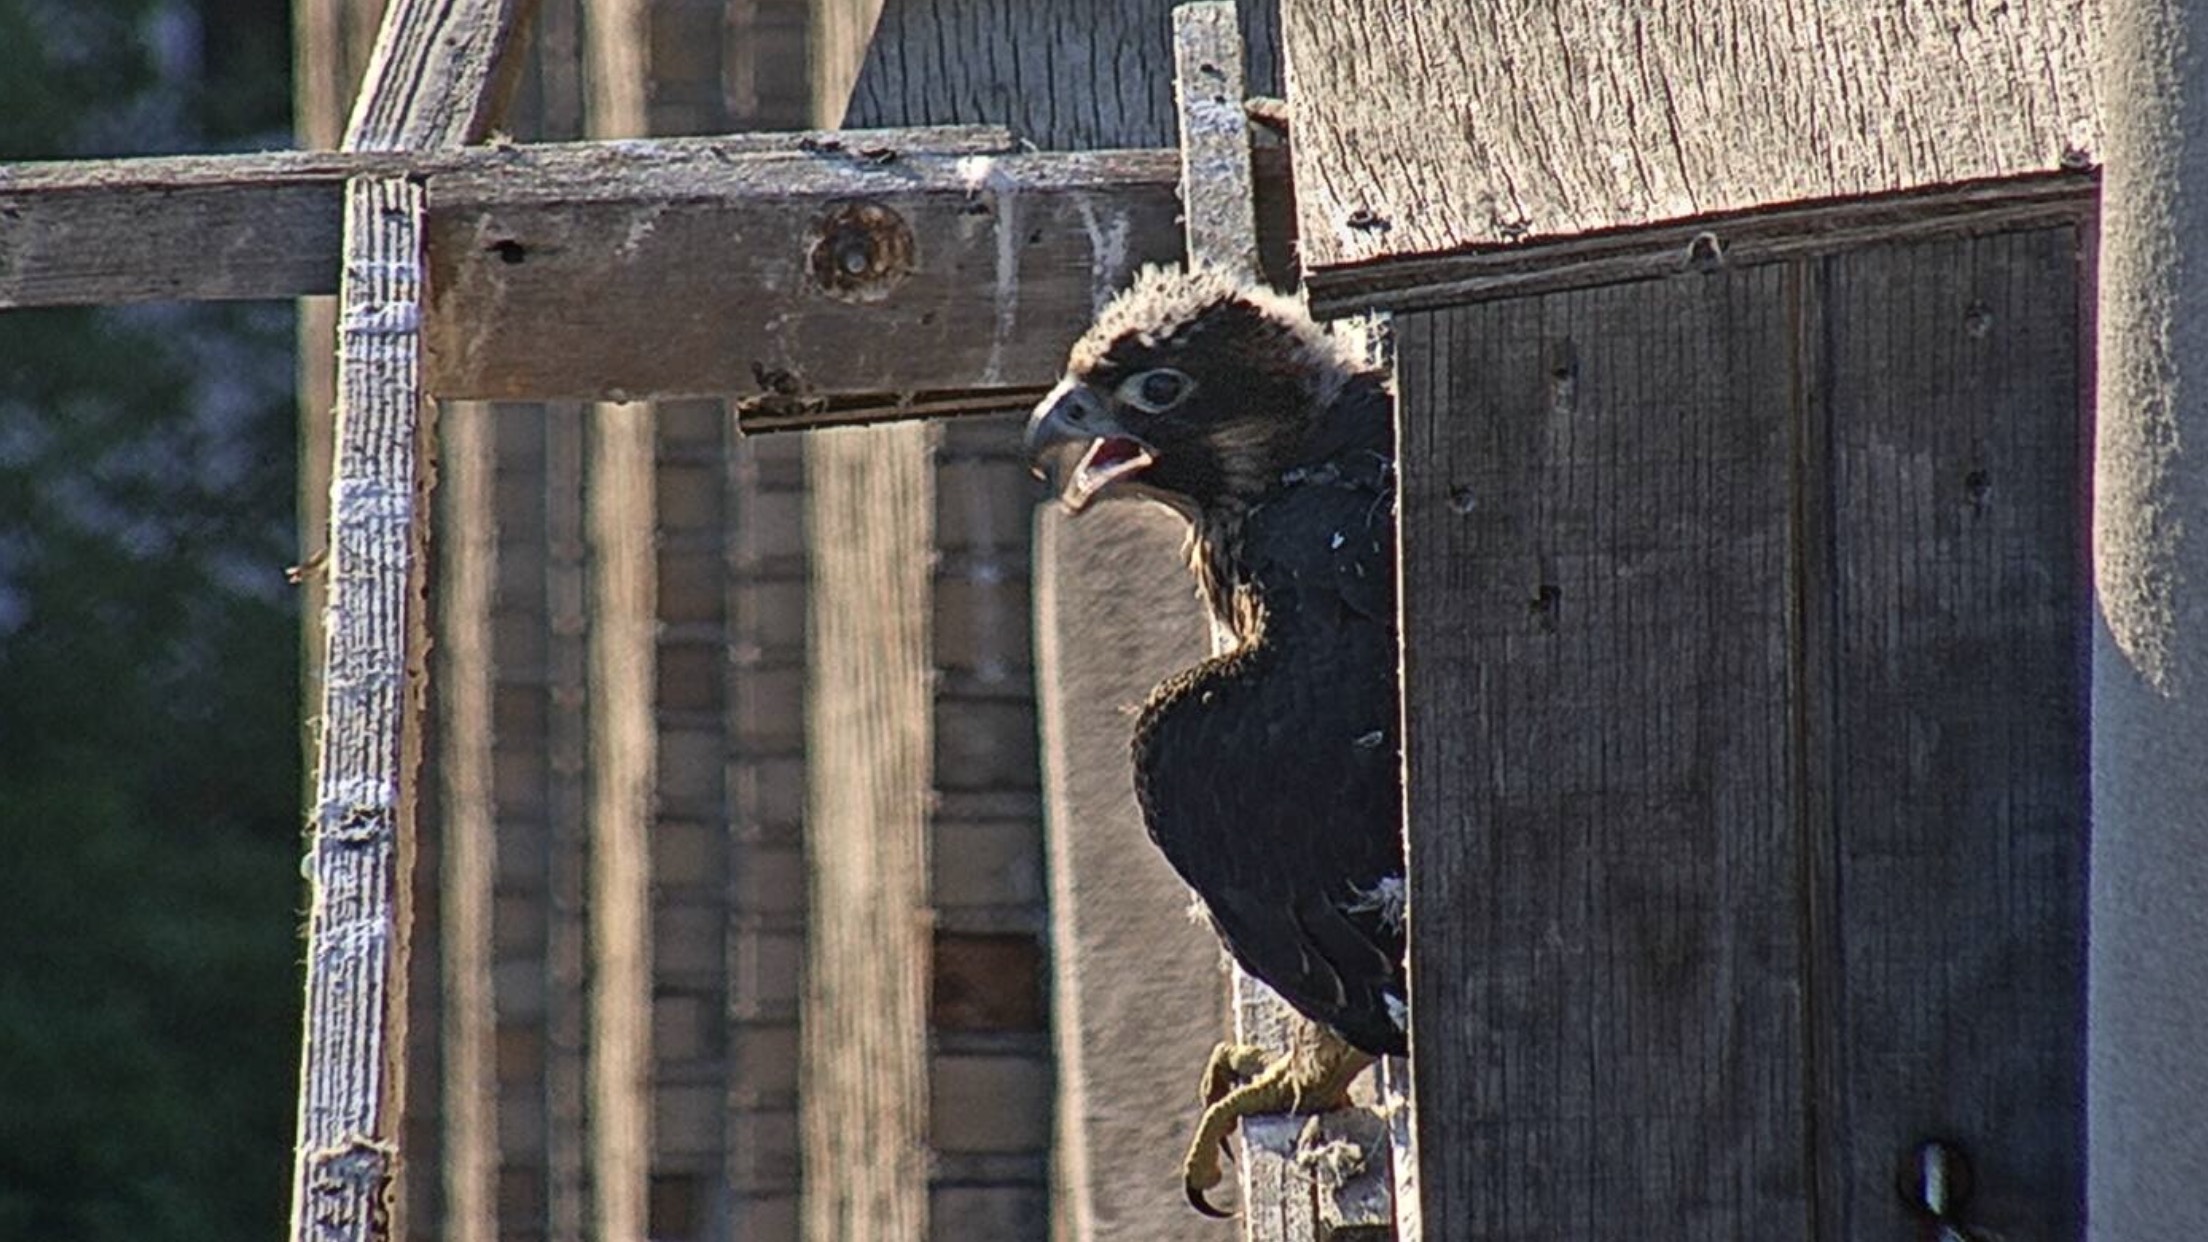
1078, 447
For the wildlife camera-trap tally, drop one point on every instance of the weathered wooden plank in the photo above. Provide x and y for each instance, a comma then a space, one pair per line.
914, 272
1735, 239
356, 961
562, 602
1217, 189
468, 814
869, 727
1137, 997
439, 74
623, 759
1958, 791
1432, 125
265, 225
621, 519
1597, 530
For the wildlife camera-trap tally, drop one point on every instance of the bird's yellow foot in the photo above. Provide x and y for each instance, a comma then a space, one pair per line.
1242, 1081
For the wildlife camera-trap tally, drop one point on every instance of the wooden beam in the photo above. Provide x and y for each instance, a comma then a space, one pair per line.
467, 869
356, 960
630, 270
266, 224
1426, 125
870, 737
1704, 244
785, 277
439, 74
430, 85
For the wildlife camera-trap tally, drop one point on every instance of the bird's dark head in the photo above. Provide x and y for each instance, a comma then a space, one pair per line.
1191, 388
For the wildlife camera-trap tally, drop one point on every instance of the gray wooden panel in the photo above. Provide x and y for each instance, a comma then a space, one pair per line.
1744, 684
1597, 530
1958, 789
1430, 124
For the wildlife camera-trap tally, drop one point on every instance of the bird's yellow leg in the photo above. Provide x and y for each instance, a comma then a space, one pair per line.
1313, 1078
1230, 1066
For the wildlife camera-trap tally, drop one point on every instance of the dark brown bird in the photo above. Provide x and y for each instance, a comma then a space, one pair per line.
1269, 775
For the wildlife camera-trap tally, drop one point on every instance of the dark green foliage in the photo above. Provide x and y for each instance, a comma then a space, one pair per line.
149, 774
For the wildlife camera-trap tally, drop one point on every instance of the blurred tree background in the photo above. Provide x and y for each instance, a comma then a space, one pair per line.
149, 771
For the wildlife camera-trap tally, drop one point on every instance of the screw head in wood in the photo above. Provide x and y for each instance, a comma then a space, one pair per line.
859, 251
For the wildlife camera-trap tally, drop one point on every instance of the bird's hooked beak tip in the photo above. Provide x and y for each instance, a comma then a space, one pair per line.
1076, 446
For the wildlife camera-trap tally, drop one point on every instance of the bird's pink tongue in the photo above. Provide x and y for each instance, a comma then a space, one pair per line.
1109, 458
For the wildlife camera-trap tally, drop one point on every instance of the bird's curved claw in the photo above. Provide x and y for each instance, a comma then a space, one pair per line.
1197, 1200
1200, 1169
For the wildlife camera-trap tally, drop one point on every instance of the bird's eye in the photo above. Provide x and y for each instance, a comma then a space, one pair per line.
1156, 391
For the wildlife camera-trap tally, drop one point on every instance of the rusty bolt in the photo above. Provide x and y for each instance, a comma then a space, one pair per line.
860, 251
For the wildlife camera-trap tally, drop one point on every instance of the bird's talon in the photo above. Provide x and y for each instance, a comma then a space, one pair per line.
1197, 1200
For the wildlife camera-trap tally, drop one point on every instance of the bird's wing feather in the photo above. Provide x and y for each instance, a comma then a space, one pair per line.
1270, 778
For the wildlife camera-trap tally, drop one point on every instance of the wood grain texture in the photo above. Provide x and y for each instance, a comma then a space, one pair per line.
356, 959
266, 224
1218, 193
438, 74
837, 37
869, 729
1137, 998
624, 755
1065, 75
1959, 799
468, 1149
562, 587
977, 272
619, 520
1743, 626
1435, 125
1596, 537
1732, 239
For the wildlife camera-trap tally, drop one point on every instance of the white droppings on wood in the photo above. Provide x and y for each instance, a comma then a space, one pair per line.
1107, 250
389, 318
641, 227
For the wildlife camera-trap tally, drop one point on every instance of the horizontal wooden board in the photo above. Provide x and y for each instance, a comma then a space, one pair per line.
1703, 245
816, 278
265, 224
1430, 125
786, 278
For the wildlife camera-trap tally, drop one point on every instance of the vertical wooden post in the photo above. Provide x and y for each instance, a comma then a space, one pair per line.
863, 1097
468, 866
2146, 1003
620, 522
347, 1152
620, 519
1217, 194
433, 81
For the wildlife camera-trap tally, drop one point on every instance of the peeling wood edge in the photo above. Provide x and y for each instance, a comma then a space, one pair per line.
1703, 244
